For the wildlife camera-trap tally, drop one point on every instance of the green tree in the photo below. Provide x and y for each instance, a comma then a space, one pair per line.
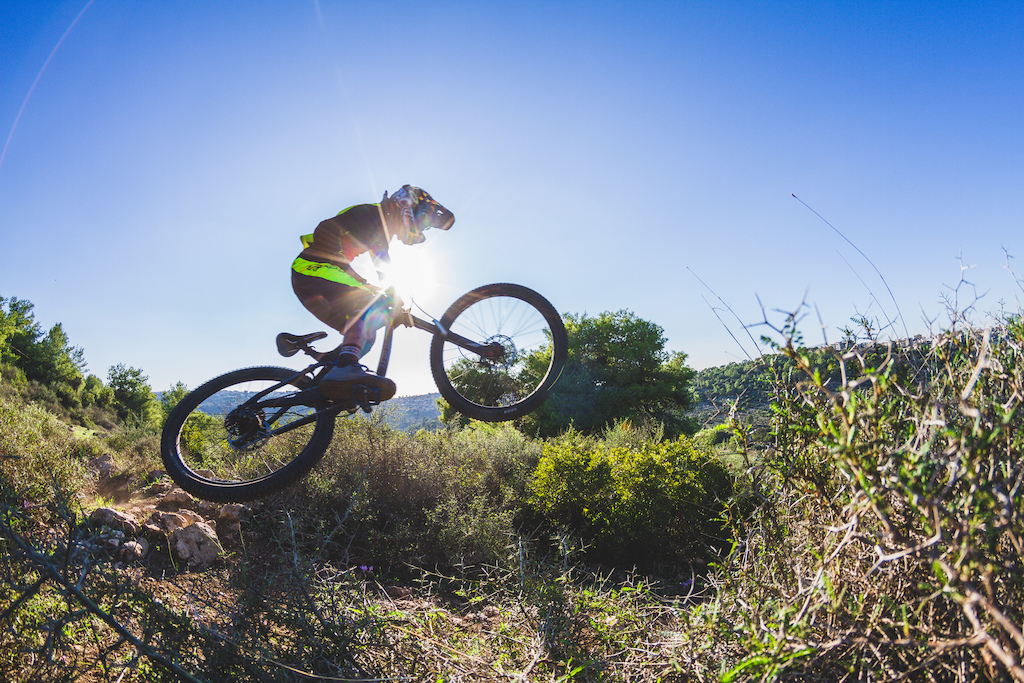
95, 394
6, 330
18, 330
618, 368
53, 359
49, 358
171, 397
654, 501
133, 397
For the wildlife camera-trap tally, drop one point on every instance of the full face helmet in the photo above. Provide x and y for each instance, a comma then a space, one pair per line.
412, 211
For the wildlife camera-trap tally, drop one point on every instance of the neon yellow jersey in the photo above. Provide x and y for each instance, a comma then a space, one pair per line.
356, 230
327, 271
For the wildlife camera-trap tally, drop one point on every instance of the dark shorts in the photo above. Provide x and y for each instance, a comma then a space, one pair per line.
335, 303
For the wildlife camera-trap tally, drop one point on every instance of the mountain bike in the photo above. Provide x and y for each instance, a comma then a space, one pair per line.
495, 355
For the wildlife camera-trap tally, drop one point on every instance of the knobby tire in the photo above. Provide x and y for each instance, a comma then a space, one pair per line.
531, 331
195, 443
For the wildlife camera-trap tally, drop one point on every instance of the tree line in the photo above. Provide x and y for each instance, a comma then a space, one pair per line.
47, 368
618, 369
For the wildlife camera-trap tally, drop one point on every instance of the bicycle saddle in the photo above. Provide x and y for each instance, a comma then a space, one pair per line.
291, 344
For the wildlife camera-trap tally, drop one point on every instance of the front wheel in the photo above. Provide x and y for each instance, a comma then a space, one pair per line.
518, 350
245, 435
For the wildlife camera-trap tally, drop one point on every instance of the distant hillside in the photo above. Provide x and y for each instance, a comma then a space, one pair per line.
744, 387
747, 386
717, 389
746, 382
410, 413
406, 413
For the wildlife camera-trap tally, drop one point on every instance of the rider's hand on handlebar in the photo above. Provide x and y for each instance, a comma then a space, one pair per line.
393, 299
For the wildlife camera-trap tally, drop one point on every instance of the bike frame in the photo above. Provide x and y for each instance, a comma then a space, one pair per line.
311, 397
488, 351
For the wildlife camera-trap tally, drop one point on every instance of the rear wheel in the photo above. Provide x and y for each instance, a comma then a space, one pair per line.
225, 442
525, 351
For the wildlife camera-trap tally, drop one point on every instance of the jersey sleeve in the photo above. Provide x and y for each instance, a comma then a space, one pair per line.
352, 232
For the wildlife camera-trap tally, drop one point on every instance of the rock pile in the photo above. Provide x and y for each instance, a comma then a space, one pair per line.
195, 531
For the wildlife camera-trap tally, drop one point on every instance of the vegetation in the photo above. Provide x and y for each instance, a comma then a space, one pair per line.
618, 369
654, 502
133, 398
47, 370
851, 513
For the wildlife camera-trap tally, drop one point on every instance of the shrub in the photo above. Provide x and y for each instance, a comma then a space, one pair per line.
67, 394
88, 448
37, 451
94, 416
646, 503
633, 434
12, 378
890, 523
449, 497
708, 439
469, 532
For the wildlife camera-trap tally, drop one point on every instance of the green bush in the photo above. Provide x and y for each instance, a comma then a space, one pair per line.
444, 498
469, 532
708, 439
633, 434
645, 503
94, 394
888, 529
88, 448
12, 379
67, 394
37, 451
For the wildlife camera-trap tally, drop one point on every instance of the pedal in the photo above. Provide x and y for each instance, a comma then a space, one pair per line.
365, 396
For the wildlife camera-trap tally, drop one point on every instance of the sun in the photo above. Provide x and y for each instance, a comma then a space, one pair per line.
411, 272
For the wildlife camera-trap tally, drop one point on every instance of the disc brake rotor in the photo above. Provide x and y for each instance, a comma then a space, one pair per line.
509, 356
246, 428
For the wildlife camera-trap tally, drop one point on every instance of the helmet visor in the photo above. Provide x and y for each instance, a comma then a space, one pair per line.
428, 214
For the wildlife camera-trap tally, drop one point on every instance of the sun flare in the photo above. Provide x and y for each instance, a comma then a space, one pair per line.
411, 273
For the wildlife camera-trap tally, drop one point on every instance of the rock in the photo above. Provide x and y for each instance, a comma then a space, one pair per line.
115, 519
208, 508
234, 512
229, 521
135, 549
162, 486
154, 530
102, 465
191, 516
197, 544
397, 592
177, 496
169, 522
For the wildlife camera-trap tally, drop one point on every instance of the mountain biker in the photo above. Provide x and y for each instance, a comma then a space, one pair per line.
326, 284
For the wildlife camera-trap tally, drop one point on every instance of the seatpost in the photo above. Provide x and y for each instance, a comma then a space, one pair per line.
313, 353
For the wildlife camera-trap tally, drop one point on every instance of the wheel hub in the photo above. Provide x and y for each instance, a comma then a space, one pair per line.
505, 353
246, 428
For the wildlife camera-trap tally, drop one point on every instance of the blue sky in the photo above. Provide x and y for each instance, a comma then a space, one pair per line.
157, 174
